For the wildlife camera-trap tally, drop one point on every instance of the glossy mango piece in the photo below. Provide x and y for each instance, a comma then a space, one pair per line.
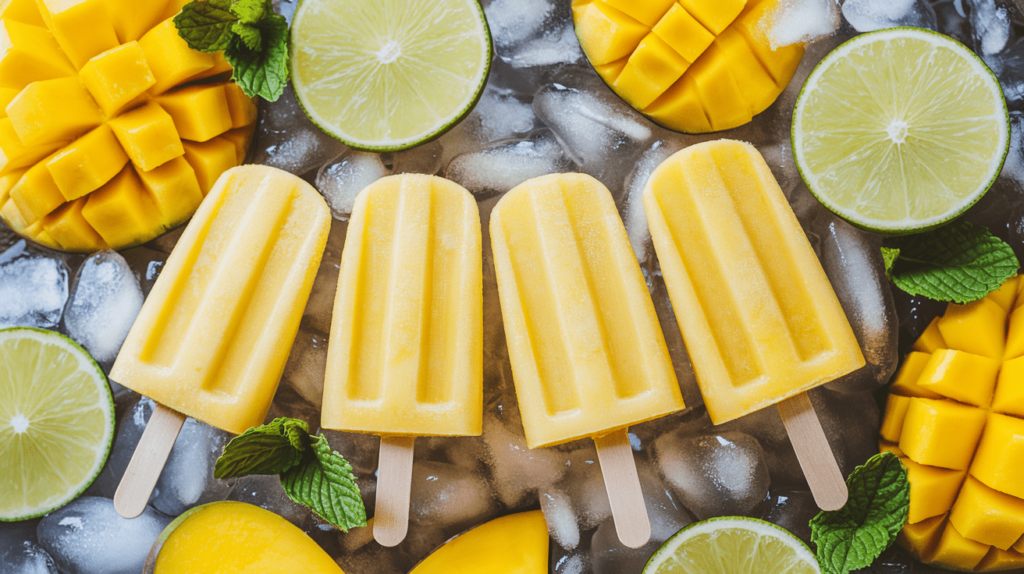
52, 111
513, 544
148, 135
956, 551
200, 112
170, 58
978, 328
118, 78
175, 188
29, 54
961, 376
122, 211
1000, 455
209, 160
694, 65
81, 27
68, 228
988, 516
87, 163
931, 339
932, 490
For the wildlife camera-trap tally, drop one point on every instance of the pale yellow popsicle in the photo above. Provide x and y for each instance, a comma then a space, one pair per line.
588, 355
759, 317
405, 353
214, 334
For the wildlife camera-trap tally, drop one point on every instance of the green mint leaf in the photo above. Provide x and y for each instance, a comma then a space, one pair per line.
251, 11
853, 536
262, 73
206, 26
268, 449
248, 34
960, 262
324, 482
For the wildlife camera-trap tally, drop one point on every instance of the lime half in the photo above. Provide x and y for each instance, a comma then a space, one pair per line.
900, 130
56, 421
732, 545
385, 75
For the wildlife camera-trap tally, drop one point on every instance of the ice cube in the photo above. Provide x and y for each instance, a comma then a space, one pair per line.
574, 563
286, 139
852, 260
513, 21
515, 469
503, 113
532, 33
147, 264
341, 180
445, 496
991, 22
424, 158
584, 484
104, 303
599, 131
793, 510
871, 15
795, 21
33, 287
635, 216
561, 520
304, 371
715, 474
88, 537
952, 20
505, 164
26, 558
265, 491
557, 45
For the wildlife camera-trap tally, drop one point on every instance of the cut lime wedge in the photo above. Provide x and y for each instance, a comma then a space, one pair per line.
732, 545
385, 75
900, 130
56, 421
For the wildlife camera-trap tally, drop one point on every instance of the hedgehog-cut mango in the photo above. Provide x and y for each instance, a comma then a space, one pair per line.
692, 66
112, 129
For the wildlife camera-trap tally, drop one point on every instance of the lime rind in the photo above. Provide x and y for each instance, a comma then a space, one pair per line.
956, 203
442, 122
105, 402
760, 528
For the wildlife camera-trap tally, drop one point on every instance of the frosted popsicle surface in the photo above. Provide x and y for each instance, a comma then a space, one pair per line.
759, 317
405, 354
588, 355
214, 334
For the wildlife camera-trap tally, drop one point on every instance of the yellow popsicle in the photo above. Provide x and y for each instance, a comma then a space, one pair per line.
760, 320
405, 350
213, 336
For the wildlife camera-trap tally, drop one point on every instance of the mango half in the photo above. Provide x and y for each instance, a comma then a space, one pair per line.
955, 416
236, 538
693, 66
111, 128
513, 544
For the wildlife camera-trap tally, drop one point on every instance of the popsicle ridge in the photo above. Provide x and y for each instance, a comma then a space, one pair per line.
406, 351
756, 310
588, 355
246, 263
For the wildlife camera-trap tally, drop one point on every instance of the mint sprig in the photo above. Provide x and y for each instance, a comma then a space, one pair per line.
253, 38
311, 473
960, 262
853, 536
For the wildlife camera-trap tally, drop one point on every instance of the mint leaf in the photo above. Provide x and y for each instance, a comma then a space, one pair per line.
251, 11
853, 536
206, 26
324, 482
268, 449
248, 34
264, 72
960, 262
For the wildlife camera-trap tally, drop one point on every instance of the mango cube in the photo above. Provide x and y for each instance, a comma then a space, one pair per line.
242, 107
122, 211
175, 189
1000, 455
978, 328
148, 135
36, 194
1015, 335
907, 377
14, 154
68, 228
932, 490
13, 215
651, 70
988, 516
29, 54
941, 433
715, 16
240, 137
615, 33
953, 549
52, 111
170, 58
892, 423
24, 11
209, 160
88, 163
931, 339
961, 376
118, 78
200, 113
718, 92
131, 18
684, 33
997, 559
1009, 396
81, 27
648, 13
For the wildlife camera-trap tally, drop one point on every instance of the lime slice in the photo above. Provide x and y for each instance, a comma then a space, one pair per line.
385, 75
732, 545
56, 421
900, 130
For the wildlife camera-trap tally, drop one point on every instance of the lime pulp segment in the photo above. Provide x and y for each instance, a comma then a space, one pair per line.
56, 421
900, 130
388, 74
732, 545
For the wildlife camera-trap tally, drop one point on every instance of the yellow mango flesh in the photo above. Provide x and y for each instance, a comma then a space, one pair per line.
693, 66
237, 538
92, 89
514, 544
956, 413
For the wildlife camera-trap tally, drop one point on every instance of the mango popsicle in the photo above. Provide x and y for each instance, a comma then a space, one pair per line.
757, 313
405, 353
588, 355
212, 338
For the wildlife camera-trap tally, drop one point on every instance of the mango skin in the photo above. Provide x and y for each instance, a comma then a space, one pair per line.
695, 66
962, 447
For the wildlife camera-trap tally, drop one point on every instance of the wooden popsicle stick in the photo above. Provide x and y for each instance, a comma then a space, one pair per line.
394, 483
812, 450
148, 461
623, 485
